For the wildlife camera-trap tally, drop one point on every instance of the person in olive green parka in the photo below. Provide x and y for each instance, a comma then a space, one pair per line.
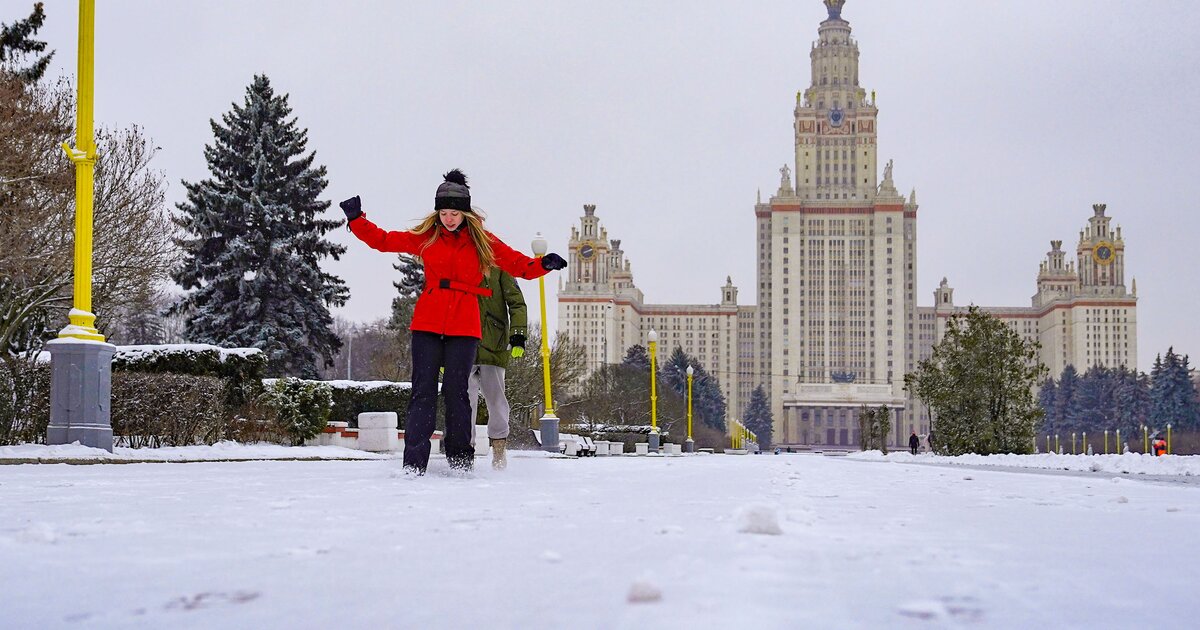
503, 321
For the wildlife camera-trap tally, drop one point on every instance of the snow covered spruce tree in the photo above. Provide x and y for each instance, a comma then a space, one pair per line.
759, 418
253, 242
408, 288
17, 43
979, 386
1173, 396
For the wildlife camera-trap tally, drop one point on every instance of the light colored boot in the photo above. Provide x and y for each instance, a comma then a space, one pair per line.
499, 458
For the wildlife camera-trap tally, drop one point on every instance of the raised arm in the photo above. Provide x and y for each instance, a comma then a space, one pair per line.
373, 235
386, 240
515, 262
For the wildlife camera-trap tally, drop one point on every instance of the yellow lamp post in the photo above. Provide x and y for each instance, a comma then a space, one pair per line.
654, 436
1074, 442
1120, 450
1057, 446
82, 319
1106, 441
1168, 438
1047, 442
549, 421
689, 446
81, 363
1083, 450
1145, 439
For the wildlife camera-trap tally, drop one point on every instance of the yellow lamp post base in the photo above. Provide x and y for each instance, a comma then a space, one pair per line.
82, 326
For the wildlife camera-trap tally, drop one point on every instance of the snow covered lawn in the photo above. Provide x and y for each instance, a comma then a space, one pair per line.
788, 541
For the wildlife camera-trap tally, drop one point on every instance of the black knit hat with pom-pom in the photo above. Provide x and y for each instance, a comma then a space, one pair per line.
453, 194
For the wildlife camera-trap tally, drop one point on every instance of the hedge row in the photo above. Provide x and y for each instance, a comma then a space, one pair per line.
183, 395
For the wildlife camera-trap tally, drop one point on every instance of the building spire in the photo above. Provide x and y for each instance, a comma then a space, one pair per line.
835, 8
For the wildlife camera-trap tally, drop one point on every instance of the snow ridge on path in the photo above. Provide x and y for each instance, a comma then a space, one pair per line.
1127, 463
221, 451
593, 543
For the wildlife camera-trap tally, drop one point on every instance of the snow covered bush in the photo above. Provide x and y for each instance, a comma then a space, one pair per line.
351, 398
241, 368
299, 408
24, 400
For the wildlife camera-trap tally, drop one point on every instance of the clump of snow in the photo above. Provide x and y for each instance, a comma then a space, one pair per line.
758, 519
644, 592
1127, 463
551, 556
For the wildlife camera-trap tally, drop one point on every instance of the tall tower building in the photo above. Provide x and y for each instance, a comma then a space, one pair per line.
836, 324
837, 262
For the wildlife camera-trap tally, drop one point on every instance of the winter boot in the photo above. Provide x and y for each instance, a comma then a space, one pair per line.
499, 457
461, 463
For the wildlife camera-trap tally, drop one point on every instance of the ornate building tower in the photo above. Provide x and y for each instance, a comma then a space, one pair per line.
834, 122
1101, 256
836, 318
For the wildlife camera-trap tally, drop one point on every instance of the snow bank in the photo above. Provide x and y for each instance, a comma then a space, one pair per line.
138, 353
218, 451
366, 385
1128, 463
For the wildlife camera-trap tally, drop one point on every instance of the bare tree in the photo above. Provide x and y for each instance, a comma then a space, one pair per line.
373, 351
132, 231
523, 379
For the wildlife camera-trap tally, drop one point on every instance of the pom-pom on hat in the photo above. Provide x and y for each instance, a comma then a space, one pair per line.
453, 193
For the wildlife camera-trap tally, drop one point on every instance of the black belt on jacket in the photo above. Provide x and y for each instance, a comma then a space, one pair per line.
455, 285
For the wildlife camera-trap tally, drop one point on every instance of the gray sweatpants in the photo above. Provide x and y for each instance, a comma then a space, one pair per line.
489, 378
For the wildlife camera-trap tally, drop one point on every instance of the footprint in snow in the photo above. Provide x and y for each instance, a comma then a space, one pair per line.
208, 600
943, 609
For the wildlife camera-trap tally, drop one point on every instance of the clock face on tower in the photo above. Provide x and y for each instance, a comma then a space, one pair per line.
586, 251
1102, 253
836, 116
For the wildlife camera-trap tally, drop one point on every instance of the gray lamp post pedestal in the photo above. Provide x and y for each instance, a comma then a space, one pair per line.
654, 441
80, 393
689, 446
549, 428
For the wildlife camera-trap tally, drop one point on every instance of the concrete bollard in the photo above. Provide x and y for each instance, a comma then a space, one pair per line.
377, 432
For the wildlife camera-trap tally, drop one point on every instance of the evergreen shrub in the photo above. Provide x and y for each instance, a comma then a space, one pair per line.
298, 407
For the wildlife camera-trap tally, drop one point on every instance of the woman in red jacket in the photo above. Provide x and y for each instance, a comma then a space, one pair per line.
457, 253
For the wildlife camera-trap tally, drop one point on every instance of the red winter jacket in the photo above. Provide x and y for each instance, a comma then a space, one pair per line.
452, 256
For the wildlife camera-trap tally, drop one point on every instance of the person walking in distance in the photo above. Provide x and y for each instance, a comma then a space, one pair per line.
914, 442
503, 318
457, 253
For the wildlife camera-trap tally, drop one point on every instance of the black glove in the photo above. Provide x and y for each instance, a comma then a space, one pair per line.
518, 345
552, 262
352, 207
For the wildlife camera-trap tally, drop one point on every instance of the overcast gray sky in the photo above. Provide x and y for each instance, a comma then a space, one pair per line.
1009, 117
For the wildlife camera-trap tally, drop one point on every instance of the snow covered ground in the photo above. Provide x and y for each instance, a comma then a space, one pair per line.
788, 541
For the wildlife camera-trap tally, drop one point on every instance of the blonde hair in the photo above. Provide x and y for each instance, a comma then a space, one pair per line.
474, 225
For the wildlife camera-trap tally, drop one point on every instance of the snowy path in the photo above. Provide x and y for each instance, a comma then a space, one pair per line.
560, 543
